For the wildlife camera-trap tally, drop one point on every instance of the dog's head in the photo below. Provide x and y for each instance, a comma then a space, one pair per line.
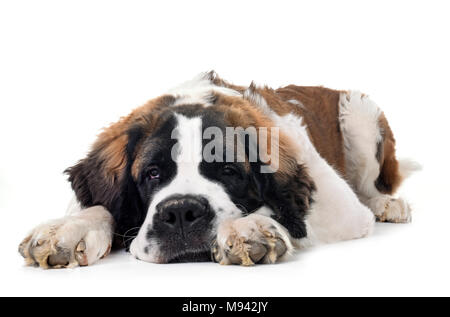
175, 168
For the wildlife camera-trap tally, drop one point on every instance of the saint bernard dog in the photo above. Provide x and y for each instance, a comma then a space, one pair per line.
212, 171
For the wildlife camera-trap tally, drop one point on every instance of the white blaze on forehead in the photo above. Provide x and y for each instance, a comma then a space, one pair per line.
199, 90
188, 133
187, 181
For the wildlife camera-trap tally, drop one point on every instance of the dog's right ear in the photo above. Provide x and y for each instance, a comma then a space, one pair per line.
96, 179
100, 178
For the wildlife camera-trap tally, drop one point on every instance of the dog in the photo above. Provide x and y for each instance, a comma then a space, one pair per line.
212, 171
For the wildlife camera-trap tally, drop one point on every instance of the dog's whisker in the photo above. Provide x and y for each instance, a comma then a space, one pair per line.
134, 228
125, 241
125, 234
121, 235
125, 237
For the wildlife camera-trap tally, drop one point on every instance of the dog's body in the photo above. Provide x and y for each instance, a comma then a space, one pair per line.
330, 172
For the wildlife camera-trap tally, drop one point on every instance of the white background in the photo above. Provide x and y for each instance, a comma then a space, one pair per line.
69, 68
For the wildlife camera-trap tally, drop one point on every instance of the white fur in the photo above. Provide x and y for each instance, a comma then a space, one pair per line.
259, 100
296, 102
188, 180
198, 91
358, 116
264, 211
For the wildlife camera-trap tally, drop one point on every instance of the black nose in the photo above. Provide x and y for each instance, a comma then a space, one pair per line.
182, 212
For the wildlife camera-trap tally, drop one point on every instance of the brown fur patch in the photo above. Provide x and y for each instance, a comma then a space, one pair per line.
389, 179
320, 111
113, 140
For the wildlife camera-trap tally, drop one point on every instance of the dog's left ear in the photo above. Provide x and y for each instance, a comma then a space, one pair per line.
281, 183
288, 193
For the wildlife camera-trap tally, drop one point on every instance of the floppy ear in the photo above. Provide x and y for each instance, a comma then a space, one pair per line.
96, 179
289, 189
289, 194
104, 176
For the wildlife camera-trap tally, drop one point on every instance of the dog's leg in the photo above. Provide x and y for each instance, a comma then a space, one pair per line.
372, 168
336, 213
78, 239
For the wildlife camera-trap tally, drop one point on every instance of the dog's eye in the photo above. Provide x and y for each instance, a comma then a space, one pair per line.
228, 170
153, 172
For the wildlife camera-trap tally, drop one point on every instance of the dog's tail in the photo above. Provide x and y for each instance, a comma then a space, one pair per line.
407, 167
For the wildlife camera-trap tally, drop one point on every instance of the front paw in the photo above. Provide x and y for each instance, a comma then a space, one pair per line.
249, 240
64, 243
